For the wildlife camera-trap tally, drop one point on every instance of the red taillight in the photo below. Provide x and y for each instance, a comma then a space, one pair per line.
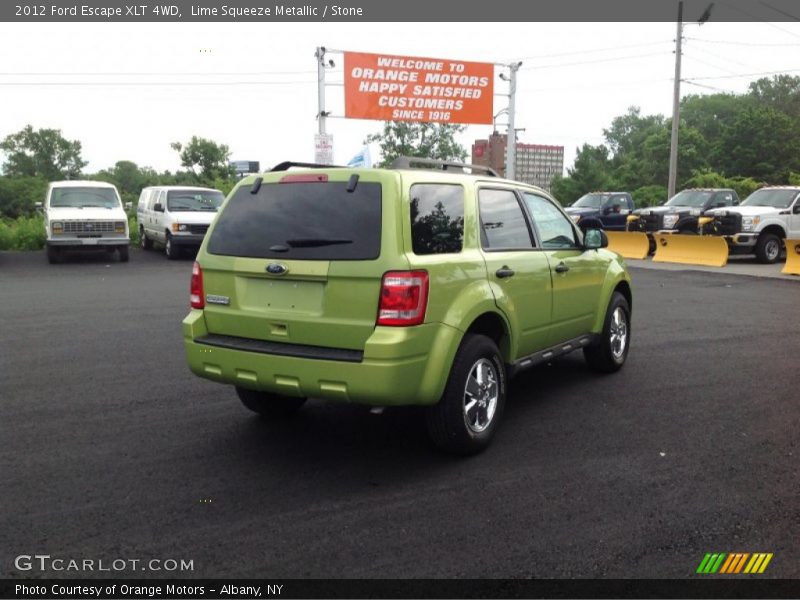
197, 298
404, 298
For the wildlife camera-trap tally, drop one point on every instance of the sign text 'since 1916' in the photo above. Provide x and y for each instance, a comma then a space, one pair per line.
401, 88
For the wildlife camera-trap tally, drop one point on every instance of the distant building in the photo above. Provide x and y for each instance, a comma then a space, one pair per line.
536, 164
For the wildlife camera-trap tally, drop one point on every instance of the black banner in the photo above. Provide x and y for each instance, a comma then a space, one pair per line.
390, 10
245, 589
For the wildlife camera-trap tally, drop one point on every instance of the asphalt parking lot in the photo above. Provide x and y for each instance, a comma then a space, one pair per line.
113, 449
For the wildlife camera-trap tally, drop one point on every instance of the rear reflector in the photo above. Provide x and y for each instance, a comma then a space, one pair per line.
196, 295
404, 298
313, 178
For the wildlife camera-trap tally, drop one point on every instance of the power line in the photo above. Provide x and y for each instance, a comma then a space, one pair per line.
757, 18
743, 75
148, 83
708, 64
590, 62
709, 87
156, 73
724, 58
778, 10
748, 44
593, 50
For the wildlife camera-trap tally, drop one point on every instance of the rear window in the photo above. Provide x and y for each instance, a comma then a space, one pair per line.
306, 221
437, 218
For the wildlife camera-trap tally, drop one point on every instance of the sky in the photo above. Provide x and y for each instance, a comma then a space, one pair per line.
127, 90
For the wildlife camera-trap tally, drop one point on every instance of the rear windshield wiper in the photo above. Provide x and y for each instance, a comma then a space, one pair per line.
316, 242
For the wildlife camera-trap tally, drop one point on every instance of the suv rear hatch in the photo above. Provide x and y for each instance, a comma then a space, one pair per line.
299, 258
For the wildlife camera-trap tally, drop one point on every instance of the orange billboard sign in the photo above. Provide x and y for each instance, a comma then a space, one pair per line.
402, 88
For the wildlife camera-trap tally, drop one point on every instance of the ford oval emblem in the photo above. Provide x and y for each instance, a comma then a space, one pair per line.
276, 269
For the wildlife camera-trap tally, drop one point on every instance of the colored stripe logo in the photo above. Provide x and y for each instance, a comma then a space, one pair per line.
734, 563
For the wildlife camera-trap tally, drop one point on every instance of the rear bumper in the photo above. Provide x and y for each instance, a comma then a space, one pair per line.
399, 366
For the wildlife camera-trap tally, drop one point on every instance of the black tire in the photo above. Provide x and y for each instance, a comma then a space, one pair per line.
606, 356
768, 248
145, 242
452, 425
53, 255
651, 245
170, 249
124, 255
270, 406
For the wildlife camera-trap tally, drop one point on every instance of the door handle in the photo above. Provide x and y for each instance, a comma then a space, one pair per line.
504, 271
562, 268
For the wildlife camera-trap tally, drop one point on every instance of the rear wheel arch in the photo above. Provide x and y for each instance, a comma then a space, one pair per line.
495, 327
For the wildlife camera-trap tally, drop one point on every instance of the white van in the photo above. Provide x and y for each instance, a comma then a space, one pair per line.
176, 216
84, 215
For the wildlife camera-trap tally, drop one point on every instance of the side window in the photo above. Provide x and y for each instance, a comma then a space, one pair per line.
437, 218
555, 230
162, 198
503, 223
618, 204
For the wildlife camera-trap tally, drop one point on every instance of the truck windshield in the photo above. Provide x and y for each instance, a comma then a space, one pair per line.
773, 198
691, 198
82, 197
194, 200
591, 201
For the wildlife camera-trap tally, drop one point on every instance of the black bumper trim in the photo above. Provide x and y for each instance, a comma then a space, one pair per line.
230, 342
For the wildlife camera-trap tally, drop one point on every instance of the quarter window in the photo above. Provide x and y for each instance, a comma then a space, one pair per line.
437, 218
555, 230
503, 223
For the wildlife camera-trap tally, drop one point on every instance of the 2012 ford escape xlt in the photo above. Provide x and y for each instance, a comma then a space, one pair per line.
399, 286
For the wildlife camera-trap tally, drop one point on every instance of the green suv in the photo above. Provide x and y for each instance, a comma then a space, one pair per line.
400, 286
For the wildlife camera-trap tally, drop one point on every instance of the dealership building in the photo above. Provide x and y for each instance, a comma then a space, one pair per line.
536, 164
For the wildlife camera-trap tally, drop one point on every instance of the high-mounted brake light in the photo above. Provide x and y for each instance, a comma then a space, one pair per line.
196, 295
404, 298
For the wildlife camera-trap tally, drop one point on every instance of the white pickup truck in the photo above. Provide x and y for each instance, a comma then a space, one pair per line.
84, 215
759, 224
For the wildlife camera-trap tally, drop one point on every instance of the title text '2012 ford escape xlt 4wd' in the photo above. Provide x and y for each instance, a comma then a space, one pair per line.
396, 287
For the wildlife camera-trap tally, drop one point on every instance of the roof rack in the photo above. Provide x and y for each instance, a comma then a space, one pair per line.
406, 162
286, 165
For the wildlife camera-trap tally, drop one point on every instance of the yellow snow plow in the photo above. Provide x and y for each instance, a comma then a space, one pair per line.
705, 250
630, 244
792, 266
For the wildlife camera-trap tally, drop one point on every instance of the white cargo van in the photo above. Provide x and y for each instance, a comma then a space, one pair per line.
176, 217
84, 215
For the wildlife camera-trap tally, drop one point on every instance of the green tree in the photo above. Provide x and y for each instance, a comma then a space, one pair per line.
18, 195
421, 140
591, 172
41, 153
762, 143
206, 159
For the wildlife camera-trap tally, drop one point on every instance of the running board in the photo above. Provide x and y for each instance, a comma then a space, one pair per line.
548, 354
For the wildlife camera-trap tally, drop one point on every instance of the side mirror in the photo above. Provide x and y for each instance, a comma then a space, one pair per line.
594, 239
128, 205
158, 207
797, 208
39, 206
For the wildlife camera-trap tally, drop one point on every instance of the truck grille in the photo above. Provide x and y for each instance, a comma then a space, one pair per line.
88, 226
728, 224
652, 222
198, 229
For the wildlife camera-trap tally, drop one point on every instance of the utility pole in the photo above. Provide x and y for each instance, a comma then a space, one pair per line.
321, 114
676, 108
511, 135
